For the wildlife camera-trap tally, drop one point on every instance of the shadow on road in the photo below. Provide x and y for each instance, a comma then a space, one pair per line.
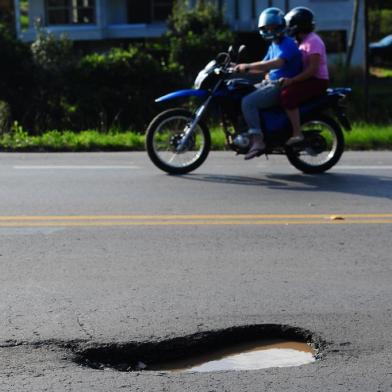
235, 180
356, 184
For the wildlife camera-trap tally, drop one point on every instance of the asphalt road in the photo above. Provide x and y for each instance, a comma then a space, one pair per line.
102, 249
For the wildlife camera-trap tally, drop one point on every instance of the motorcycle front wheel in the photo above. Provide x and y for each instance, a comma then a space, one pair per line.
322, 147
164, 135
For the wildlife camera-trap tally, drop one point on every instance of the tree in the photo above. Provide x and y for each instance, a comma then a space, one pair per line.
195, 35
7, 13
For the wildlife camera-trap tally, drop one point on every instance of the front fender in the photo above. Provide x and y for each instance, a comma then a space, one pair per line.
183, 94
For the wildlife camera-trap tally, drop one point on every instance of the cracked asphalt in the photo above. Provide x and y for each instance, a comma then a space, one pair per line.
102, 249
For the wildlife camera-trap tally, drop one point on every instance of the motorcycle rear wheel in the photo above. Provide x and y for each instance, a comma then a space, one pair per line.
163, 136
322, 148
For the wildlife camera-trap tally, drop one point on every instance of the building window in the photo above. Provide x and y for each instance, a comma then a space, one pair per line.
70, 12
149, 11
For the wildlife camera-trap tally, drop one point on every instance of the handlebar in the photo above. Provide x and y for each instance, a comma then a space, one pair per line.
224, 71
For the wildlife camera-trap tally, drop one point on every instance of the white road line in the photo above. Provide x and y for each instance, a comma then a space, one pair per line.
75, 167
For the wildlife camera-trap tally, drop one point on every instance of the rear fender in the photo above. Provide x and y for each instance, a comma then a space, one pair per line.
342, 118
183, 94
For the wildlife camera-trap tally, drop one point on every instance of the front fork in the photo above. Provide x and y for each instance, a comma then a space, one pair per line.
188, 131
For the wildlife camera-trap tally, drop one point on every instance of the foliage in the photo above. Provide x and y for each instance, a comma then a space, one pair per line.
381, 72
380, 22
124, 82
5, 116
380, 4
196, 35
16, 139
380, 99
91, 140
50, 86
362, 137
54, 61
16, 74
52, 53
47, 86
369, 137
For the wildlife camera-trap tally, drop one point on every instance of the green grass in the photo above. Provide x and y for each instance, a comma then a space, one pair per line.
369, 137
19, 140
362, 137
381, 72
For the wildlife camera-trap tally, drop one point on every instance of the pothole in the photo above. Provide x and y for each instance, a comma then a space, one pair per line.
238, 348
247, 356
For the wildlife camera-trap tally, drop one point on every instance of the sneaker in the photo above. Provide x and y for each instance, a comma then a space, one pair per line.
255, 151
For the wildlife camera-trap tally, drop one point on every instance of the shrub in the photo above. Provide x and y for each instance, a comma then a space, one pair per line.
379, 94
5, 117
118, 88
51, 53
380, 21
54, 61
16, 74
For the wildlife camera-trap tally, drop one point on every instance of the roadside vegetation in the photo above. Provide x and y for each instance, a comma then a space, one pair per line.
362, 137
56, 84
51, 91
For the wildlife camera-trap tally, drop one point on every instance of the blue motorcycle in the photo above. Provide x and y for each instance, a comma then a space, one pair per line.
178, 140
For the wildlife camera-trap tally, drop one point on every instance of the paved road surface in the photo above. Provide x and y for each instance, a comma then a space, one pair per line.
104, 248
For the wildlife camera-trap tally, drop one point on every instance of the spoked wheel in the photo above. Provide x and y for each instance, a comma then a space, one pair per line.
163, 141
322, 148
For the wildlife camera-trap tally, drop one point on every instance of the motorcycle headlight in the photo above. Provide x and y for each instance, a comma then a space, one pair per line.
200, 79
203, 74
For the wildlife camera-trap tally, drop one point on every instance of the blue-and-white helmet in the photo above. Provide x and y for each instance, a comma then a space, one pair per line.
272, 17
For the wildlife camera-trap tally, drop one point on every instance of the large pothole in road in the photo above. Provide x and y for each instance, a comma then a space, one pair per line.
238, 348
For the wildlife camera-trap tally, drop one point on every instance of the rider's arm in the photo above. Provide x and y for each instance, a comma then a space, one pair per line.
309, 72
260, 66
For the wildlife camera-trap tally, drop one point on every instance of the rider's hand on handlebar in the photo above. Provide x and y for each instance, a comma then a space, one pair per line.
241, 68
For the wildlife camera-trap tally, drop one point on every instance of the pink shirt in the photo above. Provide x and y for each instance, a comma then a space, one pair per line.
313, 44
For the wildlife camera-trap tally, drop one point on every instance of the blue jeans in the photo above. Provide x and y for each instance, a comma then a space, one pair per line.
267, 94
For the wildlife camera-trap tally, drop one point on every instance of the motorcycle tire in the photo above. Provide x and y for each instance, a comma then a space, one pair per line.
163, 136
322, 148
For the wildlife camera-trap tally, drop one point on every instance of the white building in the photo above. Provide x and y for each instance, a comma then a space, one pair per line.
91, 20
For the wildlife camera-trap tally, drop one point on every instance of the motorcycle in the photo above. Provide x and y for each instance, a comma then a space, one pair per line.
178, 140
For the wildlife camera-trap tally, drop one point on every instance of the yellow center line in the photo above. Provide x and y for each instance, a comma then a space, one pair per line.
203, 219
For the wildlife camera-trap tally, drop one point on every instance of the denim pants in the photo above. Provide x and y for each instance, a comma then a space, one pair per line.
267, 94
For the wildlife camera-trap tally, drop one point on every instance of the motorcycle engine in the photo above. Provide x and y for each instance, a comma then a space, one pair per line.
242, 141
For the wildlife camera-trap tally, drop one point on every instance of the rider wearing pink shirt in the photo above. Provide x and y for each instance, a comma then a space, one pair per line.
314, 79
313, 44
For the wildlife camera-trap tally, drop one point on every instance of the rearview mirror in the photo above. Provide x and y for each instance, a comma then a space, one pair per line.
241, 53
230, 51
